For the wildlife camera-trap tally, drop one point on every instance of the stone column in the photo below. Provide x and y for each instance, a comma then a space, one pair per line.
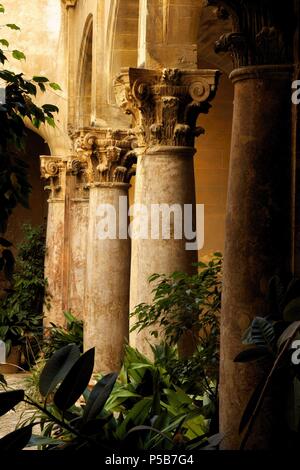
108, 160
258, 225
77, 239
165, 105
54, 170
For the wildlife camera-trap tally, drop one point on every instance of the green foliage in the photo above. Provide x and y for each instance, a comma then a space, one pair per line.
57, 368
197, 375
188, 304
184, 304
142, 409
59, 336
21, 309
148, 386
14, 185
270, 339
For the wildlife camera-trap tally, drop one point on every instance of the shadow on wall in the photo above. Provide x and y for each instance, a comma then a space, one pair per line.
37, 212
212, 164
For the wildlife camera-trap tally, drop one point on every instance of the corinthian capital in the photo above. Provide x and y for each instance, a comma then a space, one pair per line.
102, 155
263, 31
165, 104
53, 169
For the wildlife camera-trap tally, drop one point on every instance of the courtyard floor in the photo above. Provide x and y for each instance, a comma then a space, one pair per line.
9, 421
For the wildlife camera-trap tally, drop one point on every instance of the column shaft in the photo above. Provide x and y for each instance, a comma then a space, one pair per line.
165, 175
107, 284
78, 226
54, 261
53, 169
258, 230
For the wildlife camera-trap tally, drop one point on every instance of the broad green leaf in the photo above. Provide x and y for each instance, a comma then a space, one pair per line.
16, 440
140, 366
118, 397
18, 55
136, 415
4, 42
50, 121
42, 87
40, 79
261, 332
99, 396
149, 428
177, 400
36, 122
55, 86
76, 381
8, 400
252, 354
50, 108
2, 9
42, 441
2, 57
13, 26
57, 367
195, 425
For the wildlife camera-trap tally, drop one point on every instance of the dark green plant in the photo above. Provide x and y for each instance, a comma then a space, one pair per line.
184, 304
146, 384
58, 336
18, 105
68, 424
270, 339
21, 310
196, 375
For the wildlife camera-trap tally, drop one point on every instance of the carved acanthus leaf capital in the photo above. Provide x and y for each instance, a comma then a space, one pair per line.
263, 31
165, 104
102, 155
53, 169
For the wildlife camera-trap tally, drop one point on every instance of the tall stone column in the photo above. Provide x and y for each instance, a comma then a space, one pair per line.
77, 222
165, 105
53, 169
258, 225
108, 160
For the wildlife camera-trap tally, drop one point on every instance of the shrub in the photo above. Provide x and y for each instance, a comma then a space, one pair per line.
166, 420
21, 310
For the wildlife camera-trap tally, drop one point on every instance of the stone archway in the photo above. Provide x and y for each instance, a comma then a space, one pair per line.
84, 98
